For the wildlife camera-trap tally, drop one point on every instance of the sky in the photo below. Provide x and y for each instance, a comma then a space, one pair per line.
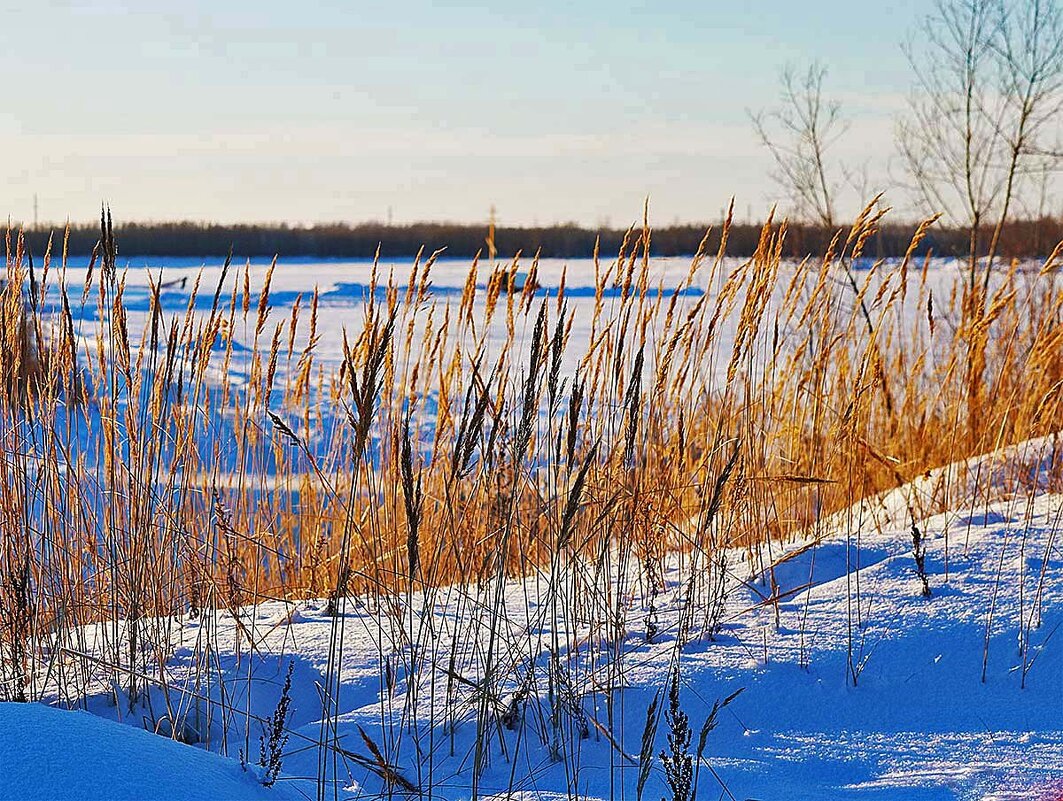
309, 112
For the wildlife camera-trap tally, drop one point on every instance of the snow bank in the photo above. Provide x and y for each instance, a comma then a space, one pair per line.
855, 685
48, 754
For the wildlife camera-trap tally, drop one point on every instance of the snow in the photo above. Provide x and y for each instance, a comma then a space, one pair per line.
50, 754
854, 685
344, 287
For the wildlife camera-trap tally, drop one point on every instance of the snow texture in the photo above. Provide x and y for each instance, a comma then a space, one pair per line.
854, 684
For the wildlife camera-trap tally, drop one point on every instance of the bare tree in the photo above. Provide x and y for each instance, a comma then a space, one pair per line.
989, 79
798, 134
1030, 52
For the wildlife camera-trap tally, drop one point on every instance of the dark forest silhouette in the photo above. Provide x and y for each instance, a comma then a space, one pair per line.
328, 241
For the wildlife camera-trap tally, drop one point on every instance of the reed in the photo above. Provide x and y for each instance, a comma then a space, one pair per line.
143, 483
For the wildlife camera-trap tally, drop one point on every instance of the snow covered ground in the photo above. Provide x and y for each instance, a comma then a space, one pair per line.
52, 754
344, 287
853, 684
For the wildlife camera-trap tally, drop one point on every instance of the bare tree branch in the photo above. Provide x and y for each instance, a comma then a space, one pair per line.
798, 134
989, 89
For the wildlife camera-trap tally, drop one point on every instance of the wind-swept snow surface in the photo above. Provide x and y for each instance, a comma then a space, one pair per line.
52, 754
854, 684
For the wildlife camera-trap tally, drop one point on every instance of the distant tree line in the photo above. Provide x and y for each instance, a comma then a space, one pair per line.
1020, 238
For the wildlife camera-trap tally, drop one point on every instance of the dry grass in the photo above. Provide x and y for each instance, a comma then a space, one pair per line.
511, 460
682, 430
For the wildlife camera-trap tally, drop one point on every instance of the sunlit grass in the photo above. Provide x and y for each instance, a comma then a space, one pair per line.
142, 480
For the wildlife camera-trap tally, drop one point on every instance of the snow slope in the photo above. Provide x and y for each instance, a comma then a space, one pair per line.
52, 754
854, 685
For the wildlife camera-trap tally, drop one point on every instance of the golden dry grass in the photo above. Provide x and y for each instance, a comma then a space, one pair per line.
455, 465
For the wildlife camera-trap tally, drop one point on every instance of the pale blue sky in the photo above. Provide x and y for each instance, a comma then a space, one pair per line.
307, 111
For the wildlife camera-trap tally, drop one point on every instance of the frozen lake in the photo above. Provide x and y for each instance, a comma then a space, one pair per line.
344, 288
